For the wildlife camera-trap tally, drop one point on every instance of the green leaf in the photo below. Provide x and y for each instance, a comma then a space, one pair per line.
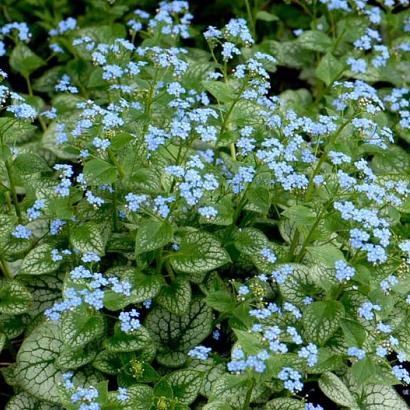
185, 384
24, 61
3, 339
124, 342
300, 215
143, 287
354, 332
152, 235
326, 254
322, 319
258, 199
14, 298
248, 341
224, 216
380, 397
250, 241
24, 401
108, 362
17, 131
164, 389
221, 300
13, 325
45, 290
38, 261
284, 403
120, 140
176, 296
336, 390
315, 40
73, 359
87, 238
81, 326
35, 370
27, 164
199, 252
98, 171
232, 390
299, 284
264, 15
176, 333
140, 397
217, 405
221, 91
364, 370
329, 69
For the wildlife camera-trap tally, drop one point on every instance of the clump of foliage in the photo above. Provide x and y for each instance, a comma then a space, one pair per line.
205, 217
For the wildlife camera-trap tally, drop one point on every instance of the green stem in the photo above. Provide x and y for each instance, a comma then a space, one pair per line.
249, 395
29, 87
307, 239
295, 241
115, 213
13, 189
5, 269
322, 159
119, 167
170, 271
250, 18
233, 151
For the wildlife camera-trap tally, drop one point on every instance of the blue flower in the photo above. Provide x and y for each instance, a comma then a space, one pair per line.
121, 287
22, 232
229, 50
35, 211
357, 65
269, 255
129, 321
401, 374
23, 111
63, 26
135, 201
356, 352
101, 144
64, 85
122, 394
89, 257
243, 176
309, 352
366, 310
291, 379
295, 335
208, 212
200, 352
343, 271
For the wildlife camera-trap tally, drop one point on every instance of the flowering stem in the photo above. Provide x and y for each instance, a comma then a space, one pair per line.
322, 160
249, 395
250, 18
115, 213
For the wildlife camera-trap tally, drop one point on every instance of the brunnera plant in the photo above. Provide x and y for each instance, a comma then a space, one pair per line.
175, 235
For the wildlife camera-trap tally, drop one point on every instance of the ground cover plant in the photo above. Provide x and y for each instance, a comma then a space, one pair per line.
204, 206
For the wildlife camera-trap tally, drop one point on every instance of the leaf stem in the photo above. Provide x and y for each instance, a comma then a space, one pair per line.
29, 87
170, 271
5, 269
